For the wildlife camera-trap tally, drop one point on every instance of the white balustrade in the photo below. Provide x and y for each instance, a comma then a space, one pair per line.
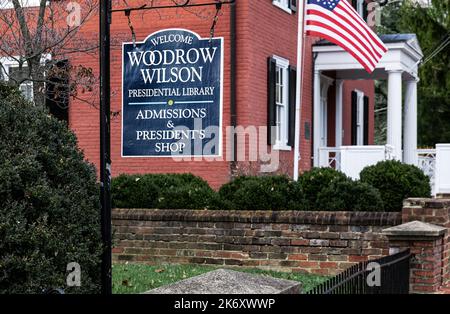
442, 169
351, 160
427, 163
329, 157
355, 158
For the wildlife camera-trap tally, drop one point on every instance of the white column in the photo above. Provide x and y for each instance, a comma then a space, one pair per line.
339, 112
317, 118
394, 115
410, 127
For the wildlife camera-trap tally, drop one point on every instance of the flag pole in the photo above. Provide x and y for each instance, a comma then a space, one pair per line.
299, 87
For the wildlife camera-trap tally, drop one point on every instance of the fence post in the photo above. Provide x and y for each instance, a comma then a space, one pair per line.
434, 211
427, 243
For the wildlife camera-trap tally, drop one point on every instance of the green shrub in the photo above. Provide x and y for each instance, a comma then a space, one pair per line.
186, 196
314, 181
49, 202
396, 181
263, 193
134, 191
163, 191
228, 190
348, 195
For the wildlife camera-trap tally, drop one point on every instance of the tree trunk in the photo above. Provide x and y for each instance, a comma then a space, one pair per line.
38, 78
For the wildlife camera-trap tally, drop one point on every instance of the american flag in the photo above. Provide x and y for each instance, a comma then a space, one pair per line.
338, 22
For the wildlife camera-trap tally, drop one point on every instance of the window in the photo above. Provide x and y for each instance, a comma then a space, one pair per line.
360, 118
281, 100
281, 108
18, 74
361, 7
7, 4
11, 71
287, 5
58, 90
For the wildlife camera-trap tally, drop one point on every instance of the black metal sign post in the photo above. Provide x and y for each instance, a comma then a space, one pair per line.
105, 144
105, 113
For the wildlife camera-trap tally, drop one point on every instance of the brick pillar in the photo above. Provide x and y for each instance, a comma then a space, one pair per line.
427, 243
433, 211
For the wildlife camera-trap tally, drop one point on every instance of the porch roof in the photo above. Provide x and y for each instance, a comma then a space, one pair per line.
404, 54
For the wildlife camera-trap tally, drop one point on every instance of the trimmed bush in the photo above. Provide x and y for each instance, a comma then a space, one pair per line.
396, 182
263, 193
348, 195
162, 191
49, 202
134, 191
314, 181
228, 190
193, 193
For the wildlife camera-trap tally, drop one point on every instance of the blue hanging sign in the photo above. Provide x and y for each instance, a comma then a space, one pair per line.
172, 94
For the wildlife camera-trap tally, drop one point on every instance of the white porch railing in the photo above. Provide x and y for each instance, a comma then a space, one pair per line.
427, 162
351, 160
442, 169
330, 157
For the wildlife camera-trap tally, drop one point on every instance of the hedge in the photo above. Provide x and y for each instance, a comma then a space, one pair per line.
349, 195
317, 179
396, 181
162, 191
263, 193
382, 188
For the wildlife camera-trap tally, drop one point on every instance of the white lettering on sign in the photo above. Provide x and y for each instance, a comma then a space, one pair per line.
172, 94
155, 58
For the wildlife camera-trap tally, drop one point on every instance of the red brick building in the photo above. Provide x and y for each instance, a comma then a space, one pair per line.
254, 32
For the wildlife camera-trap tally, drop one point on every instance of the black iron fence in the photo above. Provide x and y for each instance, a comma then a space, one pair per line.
386, 275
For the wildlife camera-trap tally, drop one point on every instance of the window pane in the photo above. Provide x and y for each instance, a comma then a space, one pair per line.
281, 94
17, 74
278, 118
281, 91
27, 90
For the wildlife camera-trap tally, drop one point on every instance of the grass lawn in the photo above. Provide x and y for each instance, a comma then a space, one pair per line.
137, 278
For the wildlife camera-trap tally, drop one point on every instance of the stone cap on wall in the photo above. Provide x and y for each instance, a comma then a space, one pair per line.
427, 203
242, 216
415, 229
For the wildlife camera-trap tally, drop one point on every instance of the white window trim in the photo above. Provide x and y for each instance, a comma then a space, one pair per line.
360, 118
360, 7
7, 62
282, 144
7, 4
283, 5
325, 84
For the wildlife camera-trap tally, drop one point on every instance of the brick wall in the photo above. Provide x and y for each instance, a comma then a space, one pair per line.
434, 211
316, 242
